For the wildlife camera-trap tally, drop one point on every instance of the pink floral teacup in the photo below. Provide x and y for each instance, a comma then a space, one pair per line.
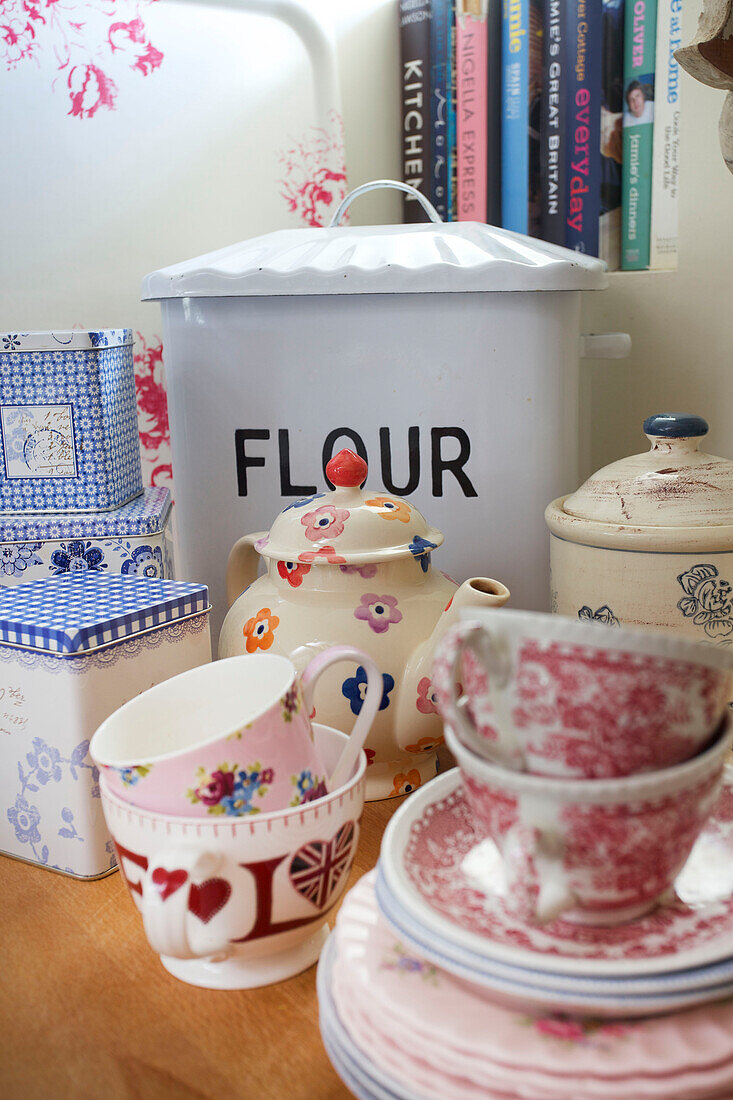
558, 697
601, 851
229, 739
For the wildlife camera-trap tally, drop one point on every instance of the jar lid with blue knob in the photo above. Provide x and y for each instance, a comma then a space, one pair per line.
674, 484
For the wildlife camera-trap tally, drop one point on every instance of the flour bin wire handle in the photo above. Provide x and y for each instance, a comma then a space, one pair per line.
346, 202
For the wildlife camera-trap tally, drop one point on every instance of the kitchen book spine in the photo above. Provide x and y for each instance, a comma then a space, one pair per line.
440, 77
612, 113
640, 34
665, 156
515, 116
583, 35
415, 86
493, 113
552, 126
471, 102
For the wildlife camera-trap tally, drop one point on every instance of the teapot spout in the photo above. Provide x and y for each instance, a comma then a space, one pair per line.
475, 592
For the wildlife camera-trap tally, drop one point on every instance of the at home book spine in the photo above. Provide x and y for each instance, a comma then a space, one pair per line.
640, 34
440, 48
415, 90
471, 101
493, 114
583, 35
665, 158
552, 126
612, 113
515, 116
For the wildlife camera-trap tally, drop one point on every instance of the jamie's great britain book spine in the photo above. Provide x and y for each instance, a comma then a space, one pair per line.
415, 90
440, 50
515, 116
666, 155
583, 37
640, 34
552, 127
472, 88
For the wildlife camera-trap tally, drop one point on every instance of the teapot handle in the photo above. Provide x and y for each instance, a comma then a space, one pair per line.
243, 565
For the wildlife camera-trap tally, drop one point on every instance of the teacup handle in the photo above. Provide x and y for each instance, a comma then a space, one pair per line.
537, 886
367, 714
166, 891
492, 656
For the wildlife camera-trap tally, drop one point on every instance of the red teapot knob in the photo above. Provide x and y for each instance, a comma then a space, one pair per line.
346, 470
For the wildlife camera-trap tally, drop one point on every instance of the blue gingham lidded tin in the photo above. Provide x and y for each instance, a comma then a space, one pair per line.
68, 421
135, 540
72, 649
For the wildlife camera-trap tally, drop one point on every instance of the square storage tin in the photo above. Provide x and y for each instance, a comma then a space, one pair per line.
135, 540
72, 649
68, 421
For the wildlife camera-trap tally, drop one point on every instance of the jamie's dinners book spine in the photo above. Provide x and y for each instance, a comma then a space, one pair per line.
639, 69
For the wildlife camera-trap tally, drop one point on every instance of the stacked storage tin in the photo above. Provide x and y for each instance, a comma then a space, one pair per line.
89, 614
71, 492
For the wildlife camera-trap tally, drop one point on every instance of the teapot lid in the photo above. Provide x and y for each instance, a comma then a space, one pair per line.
674, 484
349, 525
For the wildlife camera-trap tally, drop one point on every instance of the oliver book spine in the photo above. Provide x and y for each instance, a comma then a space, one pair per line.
639, 67
583, 36
665, 158
415, 85
440, 48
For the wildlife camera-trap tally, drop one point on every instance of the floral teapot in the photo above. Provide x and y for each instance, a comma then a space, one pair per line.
353, 567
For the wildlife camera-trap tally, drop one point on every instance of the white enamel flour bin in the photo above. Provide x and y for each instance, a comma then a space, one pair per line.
445, 354
72, 649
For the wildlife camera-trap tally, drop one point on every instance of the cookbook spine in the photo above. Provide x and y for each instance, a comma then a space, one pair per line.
535, 97
415, 83
552, 127
583, 35
493, 114
471, 77
439, 99
639, 70
665, 156
515, 116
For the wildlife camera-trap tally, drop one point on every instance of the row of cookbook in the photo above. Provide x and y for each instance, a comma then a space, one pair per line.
556, 118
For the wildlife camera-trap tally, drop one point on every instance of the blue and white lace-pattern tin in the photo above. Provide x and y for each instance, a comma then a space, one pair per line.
68, 421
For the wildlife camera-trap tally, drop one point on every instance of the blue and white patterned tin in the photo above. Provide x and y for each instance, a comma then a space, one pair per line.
135, 540
76, 648
68, 421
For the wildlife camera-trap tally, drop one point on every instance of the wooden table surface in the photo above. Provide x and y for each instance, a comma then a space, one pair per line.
87, 1010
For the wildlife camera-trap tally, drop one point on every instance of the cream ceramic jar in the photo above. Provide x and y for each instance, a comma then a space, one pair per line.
648, 540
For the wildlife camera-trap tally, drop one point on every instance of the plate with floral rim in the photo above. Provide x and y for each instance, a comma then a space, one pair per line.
399, 988
423, 853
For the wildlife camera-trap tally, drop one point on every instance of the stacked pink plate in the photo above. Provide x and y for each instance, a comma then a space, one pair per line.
430, 988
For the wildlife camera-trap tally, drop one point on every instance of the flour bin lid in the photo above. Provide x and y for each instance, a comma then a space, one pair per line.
435, 257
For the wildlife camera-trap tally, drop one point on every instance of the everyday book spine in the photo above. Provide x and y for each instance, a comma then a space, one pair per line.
583, 124
552, 127
612, 113
639, 67
471, 68
415, 83
665, 157
515, 116
439, 100
493, 114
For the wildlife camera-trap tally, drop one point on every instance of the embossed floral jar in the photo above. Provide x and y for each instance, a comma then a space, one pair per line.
648, 540
72, 649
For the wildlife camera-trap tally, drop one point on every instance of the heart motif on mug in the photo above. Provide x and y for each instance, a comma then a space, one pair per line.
209, 898
167, 882
316, 868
